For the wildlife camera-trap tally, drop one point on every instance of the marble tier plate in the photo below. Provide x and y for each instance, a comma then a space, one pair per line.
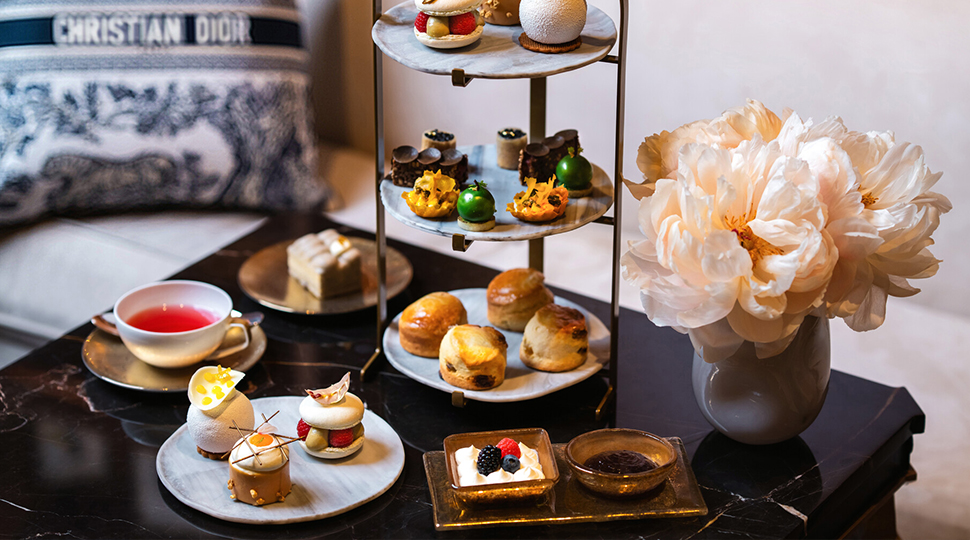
321, 488
503, 184
521, 382
497, 55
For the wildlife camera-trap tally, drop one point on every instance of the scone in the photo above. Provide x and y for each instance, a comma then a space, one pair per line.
473, 357
425, 322
514, 296
555, 339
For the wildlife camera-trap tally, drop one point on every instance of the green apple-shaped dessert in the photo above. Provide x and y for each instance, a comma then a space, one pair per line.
476, 208
575, 173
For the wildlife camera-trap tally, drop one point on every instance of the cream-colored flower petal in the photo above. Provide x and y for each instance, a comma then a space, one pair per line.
871, 312
754, 329
724, 259
753, 119
716, 341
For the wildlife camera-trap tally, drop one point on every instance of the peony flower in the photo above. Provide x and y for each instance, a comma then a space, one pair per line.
657, 155
736, 239
879, 211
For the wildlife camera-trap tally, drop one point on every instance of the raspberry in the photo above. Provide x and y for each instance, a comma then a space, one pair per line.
421, 22
302, 428
489, 460
509, 447
340, 438
463, 24
511, 463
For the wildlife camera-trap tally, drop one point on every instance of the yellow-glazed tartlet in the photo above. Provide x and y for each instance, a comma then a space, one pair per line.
539, 202
434, 195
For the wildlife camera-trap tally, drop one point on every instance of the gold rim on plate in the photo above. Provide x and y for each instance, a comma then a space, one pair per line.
264, 278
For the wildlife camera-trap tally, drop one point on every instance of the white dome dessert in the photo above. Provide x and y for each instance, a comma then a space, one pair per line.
212, 430
552, 21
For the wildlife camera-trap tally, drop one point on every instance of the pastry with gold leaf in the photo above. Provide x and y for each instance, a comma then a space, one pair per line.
473, 357
539, 202
434, 195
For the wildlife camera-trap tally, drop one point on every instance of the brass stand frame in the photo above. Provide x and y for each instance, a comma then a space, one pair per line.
537, 129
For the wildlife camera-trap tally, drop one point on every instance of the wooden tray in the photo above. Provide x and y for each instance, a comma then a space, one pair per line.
569, 502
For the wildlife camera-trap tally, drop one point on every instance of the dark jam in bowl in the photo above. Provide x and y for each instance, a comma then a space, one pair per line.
511, 133
619, 462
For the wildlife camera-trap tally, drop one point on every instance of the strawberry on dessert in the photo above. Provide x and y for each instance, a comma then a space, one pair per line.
448, 24
330, 425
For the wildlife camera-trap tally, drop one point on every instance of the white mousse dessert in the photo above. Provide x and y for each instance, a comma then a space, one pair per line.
216, 404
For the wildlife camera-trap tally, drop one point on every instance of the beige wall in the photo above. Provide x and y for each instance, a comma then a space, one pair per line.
889, 64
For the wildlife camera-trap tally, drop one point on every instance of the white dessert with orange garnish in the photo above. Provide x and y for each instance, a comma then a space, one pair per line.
217, 406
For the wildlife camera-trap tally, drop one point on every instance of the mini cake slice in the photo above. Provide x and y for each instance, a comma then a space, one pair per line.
326, 264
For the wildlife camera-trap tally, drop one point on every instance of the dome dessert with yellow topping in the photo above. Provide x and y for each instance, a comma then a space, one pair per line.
216, 406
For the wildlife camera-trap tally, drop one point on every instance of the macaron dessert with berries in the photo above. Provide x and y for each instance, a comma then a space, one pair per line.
448, 24
330, 425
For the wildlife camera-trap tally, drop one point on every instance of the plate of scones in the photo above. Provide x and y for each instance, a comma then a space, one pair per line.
512, 341
321, 273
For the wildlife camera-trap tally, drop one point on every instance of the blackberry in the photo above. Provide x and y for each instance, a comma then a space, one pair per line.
489, 460
511, 463
439, 136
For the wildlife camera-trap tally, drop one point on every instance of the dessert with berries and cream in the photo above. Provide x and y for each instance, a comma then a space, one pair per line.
507, 461
326, 264
330, 426
448, 24
216, 407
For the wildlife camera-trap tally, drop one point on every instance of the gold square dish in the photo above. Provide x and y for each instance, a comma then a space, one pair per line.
569, 501
490, 494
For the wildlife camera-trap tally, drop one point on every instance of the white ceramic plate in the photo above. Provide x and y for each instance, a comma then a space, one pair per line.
321, 488
521, 382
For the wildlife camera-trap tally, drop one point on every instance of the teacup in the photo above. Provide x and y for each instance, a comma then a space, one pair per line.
173, 324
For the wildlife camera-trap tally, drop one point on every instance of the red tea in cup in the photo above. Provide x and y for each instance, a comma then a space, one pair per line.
168, 318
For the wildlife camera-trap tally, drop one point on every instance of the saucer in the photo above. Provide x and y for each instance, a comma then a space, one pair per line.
108, 358
265, 279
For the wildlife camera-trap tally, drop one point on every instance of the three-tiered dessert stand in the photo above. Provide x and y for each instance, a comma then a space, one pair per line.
498, 55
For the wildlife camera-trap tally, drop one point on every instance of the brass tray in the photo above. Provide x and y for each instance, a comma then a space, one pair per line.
569, 502
264, 278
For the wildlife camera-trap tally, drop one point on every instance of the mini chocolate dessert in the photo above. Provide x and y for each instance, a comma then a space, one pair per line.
508, 144
556, 146
620, 462
534, 162
570, 139
407, 164
442, 140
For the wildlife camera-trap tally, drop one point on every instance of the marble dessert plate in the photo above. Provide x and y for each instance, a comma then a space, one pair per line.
503, 184
265, 279
321, 488
521, 382
569, 502
107, 358
497, 55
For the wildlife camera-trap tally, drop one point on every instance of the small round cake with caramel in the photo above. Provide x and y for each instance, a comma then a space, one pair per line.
259, 469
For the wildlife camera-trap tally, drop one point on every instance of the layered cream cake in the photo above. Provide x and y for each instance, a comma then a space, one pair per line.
326, 264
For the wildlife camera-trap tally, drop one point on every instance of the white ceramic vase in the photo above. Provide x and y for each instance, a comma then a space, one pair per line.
765, 401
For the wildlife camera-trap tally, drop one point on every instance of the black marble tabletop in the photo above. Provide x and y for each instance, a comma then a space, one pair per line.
78, 453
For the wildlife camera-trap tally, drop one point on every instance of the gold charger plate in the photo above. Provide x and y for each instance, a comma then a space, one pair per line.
108, 358
264, 278
569, 502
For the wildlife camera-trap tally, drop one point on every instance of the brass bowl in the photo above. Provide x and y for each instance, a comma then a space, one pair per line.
507, 492
587, 445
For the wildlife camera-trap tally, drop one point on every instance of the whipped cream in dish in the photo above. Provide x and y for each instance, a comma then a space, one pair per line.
468, 475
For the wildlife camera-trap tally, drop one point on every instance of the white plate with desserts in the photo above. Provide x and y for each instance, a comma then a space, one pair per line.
503, 185
321, 487
521, 382
264, 277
